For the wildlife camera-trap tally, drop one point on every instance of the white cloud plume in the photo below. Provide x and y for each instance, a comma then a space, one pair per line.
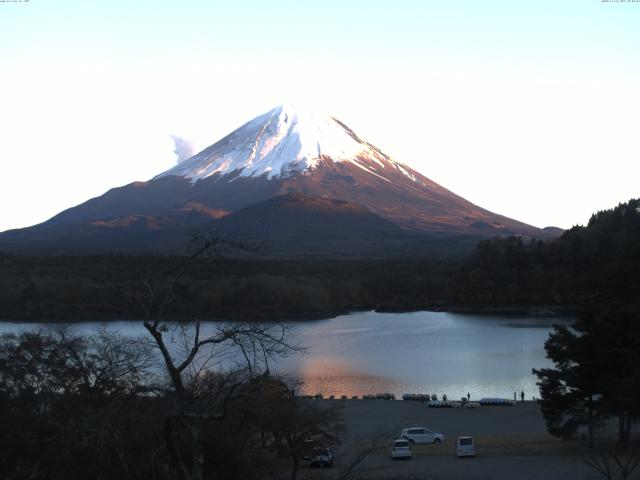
183, 148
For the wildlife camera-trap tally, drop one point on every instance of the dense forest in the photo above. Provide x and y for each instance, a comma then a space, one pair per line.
595, 264
586, 265
78, 288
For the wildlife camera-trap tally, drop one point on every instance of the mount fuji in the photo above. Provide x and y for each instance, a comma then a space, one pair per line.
302, 182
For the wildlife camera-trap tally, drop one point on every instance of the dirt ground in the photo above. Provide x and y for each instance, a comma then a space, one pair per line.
511, 443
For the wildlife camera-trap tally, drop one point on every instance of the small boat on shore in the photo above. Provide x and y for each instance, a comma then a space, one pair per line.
451, 404
496, 401
416, 397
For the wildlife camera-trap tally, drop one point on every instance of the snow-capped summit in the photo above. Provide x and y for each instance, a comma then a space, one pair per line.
279, 143
301, 181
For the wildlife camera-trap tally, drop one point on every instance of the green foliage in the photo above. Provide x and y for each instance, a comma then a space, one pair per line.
595, 374
586, 266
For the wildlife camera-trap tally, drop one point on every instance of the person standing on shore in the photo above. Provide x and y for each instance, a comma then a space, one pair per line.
468, 397
514, 396
522, 396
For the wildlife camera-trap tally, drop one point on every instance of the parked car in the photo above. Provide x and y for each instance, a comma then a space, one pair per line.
465, 447
401, 448
421, 435
321, 458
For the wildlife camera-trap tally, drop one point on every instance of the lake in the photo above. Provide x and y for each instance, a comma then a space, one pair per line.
418, 352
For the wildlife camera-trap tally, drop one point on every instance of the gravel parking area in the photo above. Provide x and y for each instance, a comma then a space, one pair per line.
511, 443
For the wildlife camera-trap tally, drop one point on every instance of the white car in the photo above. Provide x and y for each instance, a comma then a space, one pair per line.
401, 448
421, 435
465, 447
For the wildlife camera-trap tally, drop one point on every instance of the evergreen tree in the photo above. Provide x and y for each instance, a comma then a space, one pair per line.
595, 375
569, 392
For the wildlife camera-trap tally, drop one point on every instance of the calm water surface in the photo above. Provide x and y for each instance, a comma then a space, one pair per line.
421, 352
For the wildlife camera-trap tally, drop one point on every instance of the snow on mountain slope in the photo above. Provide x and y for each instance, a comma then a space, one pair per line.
280, 143
311, 161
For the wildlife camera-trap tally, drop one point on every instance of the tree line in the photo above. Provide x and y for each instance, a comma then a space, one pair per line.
585, 267
593, 387
75, 288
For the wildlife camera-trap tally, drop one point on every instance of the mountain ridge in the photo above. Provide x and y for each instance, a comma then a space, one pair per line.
277, 153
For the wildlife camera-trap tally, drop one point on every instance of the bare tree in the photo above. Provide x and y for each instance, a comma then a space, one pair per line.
361, 447
71, 402
200, 386
613, 462
303, 424
56, 361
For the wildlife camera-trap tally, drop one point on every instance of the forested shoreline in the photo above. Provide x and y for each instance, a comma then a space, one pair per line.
55, 288
586, 266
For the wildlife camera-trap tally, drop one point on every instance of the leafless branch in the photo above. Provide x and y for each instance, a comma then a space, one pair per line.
361, 448
613, 462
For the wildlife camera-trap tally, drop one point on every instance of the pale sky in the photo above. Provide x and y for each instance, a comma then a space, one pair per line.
528, 108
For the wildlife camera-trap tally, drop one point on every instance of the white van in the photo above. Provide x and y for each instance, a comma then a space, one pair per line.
465, 447
421, 435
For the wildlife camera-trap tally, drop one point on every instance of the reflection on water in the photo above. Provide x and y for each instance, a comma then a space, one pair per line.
335, 376
420, 352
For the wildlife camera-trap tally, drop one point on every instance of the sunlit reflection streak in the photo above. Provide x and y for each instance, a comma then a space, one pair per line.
333, 376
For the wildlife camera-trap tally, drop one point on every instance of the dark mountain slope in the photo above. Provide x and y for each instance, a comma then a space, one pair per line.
281, 152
